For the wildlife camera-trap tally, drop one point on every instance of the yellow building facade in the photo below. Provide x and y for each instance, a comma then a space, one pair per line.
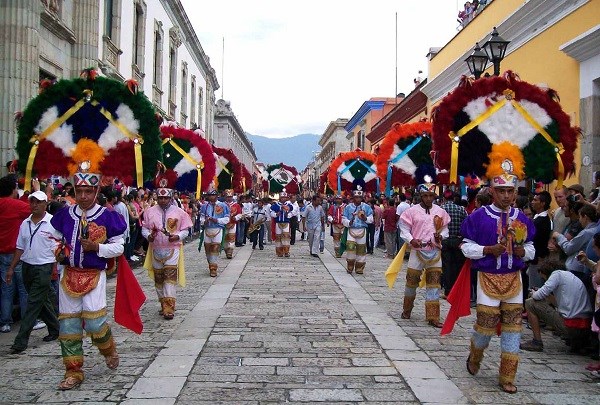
554, 43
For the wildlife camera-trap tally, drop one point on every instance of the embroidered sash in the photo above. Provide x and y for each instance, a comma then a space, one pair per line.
77, 281
500, 286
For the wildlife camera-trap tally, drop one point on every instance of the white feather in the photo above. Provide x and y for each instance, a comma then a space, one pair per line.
508, 124
185, 165
62, 137
112, 134
405, 164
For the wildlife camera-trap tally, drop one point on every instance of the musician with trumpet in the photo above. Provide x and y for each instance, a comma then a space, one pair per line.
256, 230
357, 215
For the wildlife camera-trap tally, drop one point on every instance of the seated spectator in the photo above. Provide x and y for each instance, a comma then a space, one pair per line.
561, 301
466, 15
594, 266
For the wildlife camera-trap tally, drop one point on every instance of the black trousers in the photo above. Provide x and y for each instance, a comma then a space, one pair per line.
293, 229
452, 261
370, 237
258, 236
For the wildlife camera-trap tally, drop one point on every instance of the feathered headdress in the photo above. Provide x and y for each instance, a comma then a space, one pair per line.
94, 121
404, 157
485, 121
351, 169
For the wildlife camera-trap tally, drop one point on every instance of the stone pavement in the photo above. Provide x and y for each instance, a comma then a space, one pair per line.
275, 330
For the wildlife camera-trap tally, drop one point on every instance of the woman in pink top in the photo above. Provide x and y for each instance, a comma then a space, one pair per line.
582, 257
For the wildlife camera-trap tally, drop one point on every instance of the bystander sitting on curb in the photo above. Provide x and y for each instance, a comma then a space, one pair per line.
562, 303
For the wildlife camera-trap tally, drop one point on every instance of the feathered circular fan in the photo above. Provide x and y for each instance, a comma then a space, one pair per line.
282, 176
229, 170
405, 155
506, 118
189, 156
351, 169
323, 185
59, 126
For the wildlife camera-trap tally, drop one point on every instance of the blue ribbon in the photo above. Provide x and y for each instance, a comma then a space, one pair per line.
339, 177
388, 186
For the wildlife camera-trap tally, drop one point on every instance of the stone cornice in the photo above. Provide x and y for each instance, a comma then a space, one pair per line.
231, 119
526, 23
585, 46
54, 24
177, 12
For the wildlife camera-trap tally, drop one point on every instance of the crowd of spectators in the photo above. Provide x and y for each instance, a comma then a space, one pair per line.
470, 11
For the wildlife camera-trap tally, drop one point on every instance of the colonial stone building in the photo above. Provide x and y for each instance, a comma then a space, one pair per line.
151, 41
228, 133
333, 141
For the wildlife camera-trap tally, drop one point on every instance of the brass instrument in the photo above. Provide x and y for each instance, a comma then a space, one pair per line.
255, 226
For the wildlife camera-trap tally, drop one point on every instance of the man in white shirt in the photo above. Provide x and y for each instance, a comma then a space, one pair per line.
35, 249
403, 206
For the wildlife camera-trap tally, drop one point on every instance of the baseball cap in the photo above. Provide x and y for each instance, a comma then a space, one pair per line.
39, 195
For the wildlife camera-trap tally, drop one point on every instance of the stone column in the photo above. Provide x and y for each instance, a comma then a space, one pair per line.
86, 26
589, 108
19, 67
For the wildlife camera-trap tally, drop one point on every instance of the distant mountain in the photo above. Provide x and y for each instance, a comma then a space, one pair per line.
295, 151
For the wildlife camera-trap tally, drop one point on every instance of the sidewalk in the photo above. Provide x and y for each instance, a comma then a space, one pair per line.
274, 330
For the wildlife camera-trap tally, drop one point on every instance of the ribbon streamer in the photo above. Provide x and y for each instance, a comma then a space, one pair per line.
558, 148
199, 165
36, 139
137, 142
455, 137
388, 186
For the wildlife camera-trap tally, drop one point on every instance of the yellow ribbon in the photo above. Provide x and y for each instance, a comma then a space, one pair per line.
199, 165
455, 137
137, 142
36, 139
558, 147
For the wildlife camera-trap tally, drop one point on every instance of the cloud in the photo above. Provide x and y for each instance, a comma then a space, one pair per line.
292, 67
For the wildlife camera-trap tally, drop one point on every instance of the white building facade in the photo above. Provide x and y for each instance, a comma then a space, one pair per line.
151, 41
333, 141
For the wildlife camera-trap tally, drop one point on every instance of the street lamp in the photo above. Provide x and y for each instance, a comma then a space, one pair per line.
495, 48
477, 61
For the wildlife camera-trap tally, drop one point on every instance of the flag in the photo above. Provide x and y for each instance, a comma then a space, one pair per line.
459, 298
129, 298
395, 266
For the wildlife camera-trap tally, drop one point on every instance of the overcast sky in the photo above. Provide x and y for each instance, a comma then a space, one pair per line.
291, 67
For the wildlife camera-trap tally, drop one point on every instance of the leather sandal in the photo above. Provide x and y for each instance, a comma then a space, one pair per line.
112, 361
509, 388
405, 315
69, 383
168, 317
474, 370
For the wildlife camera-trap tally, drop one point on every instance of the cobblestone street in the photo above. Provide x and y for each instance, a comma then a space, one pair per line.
276, 330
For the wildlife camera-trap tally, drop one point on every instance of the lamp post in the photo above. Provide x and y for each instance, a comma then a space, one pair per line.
495, 48
477, 61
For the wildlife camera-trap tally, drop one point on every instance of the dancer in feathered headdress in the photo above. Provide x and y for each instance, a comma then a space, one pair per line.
82, 128
498, 240
422, 226
165, 226
356, 217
